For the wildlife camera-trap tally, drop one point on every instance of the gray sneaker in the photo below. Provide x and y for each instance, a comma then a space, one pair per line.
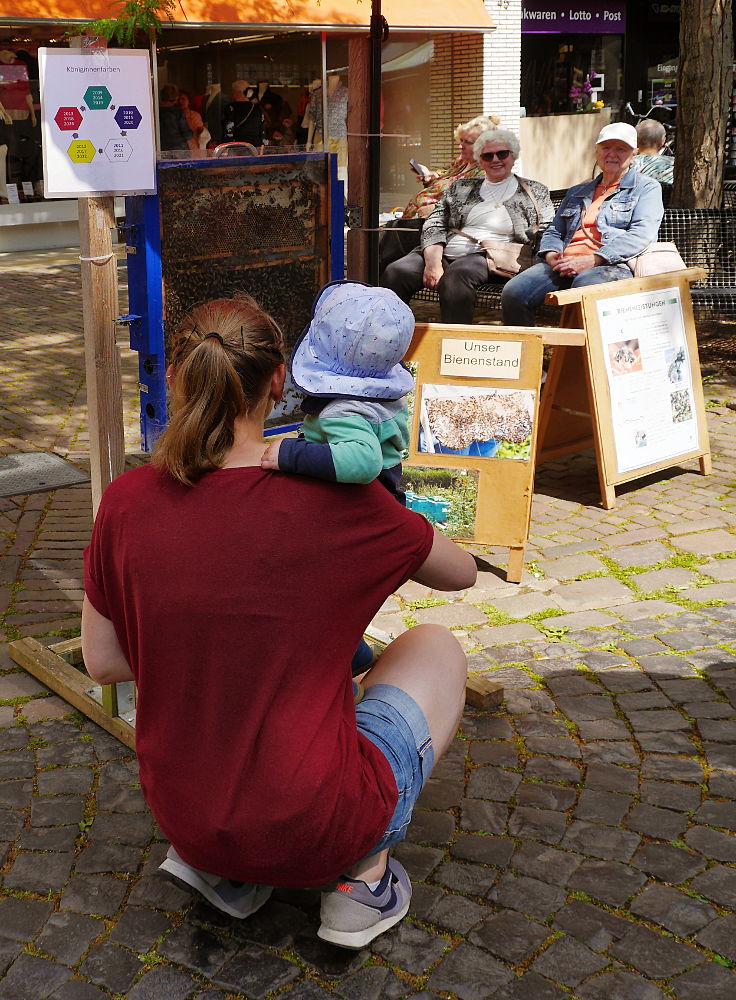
237, 901
352, 916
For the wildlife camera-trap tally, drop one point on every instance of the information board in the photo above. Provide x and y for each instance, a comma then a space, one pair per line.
97, 122
473, 432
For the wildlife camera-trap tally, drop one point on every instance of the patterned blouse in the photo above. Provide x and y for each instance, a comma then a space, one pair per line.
424, 201
658, 167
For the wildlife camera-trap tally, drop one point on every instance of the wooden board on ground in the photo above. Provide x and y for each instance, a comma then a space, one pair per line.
474, 430
633, 390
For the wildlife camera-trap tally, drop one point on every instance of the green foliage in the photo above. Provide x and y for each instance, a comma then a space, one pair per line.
133, 20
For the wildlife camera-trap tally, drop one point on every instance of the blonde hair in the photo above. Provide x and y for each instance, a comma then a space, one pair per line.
482, 122
224, 355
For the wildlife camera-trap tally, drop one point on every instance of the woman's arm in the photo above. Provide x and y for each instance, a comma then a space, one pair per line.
447, 567
101, 650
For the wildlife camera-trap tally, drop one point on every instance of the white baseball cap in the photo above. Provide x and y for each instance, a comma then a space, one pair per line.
619, 130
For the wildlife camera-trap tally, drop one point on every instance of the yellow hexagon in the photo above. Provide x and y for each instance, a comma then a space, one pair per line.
81, 151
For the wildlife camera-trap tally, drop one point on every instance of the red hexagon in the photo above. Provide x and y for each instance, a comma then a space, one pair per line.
68, 119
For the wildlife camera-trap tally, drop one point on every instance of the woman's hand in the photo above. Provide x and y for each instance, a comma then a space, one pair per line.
432, 275
572, 266
270, 457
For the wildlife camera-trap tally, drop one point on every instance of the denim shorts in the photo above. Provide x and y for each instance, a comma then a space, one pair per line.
392, 720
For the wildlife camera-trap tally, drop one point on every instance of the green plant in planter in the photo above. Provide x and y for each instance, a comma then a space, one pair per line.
135, 21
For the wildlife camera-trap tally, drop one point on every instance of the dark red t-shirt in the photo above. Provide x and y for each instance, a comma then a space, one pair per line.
239, 603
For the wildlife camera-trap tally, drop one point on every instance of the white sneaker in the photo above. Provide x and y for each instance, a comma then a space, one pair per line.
237, 901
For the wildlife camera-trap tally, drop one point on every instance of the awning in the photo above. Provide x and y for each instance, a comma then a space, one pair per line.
323, 15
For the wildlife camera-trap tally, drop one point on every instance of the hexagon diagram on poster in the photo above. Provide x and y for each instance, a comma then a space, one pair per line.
97, 122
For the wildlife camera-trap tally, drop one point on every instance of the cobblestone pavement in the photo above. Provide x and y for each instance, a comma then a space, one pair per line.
579, 842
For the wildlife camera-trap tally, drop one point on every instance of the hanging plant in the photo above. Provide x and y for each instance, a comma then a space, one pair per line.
134, 21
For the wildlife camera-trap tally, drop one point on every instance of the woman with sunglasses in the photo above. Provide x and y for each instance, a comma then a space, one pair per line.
598, 227
497, 206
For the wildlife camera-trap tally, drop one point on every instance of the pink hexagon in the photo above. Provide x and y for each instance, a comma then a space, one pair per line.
68, 119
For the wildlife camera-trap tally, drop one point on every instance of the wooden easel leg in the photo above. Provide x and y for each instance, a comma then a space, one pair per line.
705, 463
516, 565
608, 492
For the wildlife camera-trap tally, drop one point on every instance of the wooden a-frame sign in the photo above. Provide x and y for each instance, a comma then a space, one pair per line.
468, 382
631, 387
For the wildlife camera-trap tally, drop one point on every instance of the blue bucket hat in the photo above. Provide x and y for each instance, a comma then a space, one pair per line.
354, 344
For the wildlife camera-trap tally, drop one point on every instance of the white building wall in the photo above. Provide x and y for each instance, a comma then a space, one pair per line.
502, 62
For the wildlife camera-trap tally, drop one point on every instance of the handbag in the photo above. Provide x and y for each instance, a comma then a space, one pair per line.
658, 258
505, 258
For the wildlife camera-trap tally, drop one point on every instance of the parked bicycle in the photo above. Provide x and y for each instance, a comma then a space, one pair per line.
660, 113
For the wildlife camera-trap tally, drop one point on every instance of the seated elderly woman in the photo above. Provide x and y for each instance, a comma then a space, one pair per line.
599, 226
400, 236
499, 206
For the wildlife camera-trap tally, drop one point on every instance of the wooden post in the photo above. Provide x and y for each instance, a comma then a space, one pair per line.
359, 86
102, 361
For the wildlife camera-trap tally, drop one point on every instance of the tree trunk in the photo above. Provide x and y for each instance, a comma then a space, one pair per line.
704, 81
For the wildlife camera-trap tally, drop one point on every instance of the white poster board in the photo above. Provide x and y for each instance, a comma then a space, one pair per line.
647, 360
97, 122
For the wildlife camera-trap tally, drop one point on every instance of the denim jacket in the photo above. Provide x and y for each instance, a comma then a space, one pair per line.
628, 219
453, 207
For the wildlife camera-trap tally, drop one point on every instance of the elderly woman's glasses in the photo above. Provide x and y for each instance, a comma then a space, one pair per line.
502, 154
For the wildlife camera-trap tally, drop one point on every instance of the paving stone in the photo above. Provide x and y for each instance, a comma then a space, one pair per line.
481, 816
609, 881
410, 947
255, 972
722, 785
720, 732
603, 807
708, 981
612, 778
17, 764
458, 914
469, 973
164, 982
600, 841
710, 710
595, 927
21, 919
545, 796
620, 986
665, 742
714, 845
419, 861
657, 721
629, 679
75, 989
65, 781
441, 794
500, 634
39, 872
654, 955
555, 746
451, 614
530, 986
669, 863
139, 927
720, 937
67, 936
642, 700
499, 754
521, 702
674, 910
549, 769
569, 962
56, 811
681, 798
721, 758
539, 724
707, 543
110, 966
372, 983
539, 824
470, 879
641, 555
662, 824
509, 936
604, 729
717, 884
483, 849
672, 768
32, 978
197, 948
527, 895
585, 708
666, 666
329, 961
15, 794
609, 753
431, 827
545, 863
720, 814
94, 894
485, 727
492, 783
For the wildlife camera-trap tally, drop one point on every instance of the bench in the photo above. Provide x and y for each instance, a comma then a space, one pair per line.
705, 238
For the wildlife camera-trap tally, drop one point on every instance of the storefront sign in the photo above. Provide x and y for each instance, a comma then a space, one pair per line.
590, 18
480, 358
97, 122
